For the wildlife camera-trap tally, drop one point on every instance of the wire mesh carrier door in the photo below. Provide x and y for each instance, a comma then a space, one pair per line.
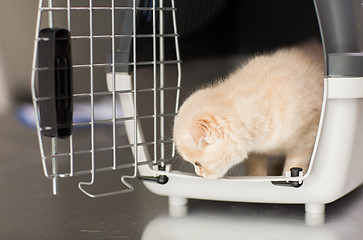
101, 76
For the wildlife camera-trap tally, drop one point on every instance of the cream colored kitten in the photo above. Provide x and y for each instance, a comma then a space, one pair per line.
270, 106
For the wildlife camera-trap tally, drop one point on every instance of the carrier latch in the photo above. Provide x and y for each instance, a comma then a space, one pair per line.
295, 172
161, 179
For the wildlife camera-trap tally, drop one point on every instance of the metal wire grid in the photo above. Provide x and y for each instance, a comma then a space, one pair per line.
51, 158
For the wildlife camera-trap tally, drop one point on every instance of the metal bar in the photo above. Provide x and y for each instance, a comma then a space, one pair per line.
116, 64
177, 97
108, 93
139, 117
118, 167
103, 149
92, 91
50, 14
125, 36
134, 14
69, 15
71, 157
54, 167
154, 82
130, 64
113, 87
80, 184
122, 119
34, 95
104, 8
162, 71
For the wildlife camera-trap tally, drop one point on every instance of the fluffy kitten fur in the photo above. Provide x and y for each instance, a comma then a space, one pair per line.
268, 107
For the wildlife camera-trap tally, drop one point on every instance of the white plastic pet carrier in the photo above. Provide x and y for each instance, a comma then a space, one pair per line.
82, 65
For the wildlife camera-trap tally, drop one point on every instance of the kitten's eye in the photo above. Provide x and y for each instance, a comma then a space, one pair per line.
197, 164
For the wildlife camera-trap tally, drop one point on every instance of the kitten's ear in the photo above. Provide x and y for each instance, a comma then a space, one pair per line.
206, 131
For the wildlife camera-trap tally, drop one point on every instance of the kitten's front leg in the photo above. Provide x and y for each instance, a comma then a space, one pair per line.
256, 165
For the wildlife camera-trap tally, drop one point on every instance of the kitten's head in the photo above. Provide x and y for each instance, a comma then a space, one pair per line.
204, 140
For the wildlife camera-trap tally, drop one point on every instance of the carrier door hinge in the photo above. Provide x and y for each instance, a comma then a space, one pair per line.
161, 179
295, 172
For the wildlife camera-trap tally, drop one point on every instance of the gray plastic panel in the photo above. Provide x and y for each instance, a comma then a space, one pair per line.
345, 64
341, 28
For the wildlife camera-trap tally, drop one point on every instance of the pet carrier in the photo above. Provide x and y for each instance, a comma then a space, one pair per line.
71, 68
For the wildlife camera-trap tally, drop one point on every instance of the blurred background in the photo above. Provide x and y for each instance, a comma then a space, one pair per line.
17, 25
208, 28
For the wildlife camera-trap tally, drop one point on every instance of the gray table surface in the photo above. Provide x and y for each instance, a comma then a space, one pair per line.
30, 211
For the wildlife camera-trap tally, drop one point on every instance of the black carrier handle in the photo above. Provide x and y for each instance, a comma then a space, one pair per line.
54, 82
